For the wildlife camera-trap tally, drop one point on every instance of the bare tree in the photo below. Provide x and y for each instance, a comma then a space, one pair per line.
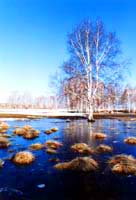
18, 100
128, 99
75, 90
14, 99
40, 102
94, 55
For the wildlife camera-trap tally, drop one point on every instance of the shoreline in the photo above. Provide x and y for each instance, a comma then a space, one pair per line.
68, 115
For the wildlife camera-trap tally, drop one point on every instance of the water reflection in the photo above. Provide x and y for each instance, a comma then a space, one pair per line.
67, 185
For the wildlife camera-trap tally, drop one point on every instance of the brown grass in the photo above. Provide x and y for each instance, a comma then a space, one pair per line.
123, 164
82, 148
84, 164
31, 134
100, 136
51, 151
4, 143
102, 148
130, 140
27, 132
5, 135
27, 127
48, 132
23, 158
54, 129
19, 131
3, 127
36, 146
53, 144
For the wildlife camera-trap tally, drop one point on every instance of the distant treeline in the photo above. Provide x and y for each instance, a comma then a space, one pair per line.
110, 99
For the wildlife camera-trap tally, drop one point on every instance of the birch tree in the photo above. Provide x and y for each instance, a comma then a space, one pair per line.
94, 55
128, 99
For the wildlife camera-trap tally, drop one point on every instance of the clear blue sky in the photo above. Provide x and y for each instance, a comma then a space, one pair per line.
33, 35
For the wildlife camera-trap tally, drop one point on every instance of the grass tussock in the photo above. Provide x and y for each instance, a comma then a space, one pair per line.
23, 158
102, 148
100, 136
27, 127
130, 140
3, 127
36, 146
50, 131
31, 134
53, 144
123, 164
5, 135
27, 131
84, 164
54, 129
82, 148
51, 151
4, 143
19, 131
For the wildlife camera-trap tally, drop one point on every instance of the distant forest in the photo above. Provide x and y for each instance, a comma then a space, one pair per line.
110, 99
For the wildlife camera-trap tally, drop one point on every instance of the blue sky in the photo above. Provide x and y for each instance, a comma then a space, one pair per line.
33, 35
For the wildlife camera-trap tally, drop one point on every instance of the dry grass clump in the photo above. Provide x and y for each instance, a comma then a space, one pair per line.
123, 164
52, 130
4, 143
31, 134
53, 144
48, 132
100, 136
36, 146
5, 135
82, 148
23, 158
27, 132
27, 127
102, 148
19, 131
130, 140
51, 151
3, 127
84, 164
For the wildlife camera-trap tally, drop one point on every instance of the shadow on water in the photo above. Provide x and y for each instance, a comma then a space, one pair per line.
41, 181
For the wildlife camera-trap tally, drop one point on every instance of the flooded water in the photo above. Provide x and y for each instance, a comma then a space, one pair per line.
40, 180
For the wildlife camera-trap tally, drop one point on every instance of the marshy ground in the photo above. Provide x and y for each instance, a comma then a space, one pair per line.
70, 162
